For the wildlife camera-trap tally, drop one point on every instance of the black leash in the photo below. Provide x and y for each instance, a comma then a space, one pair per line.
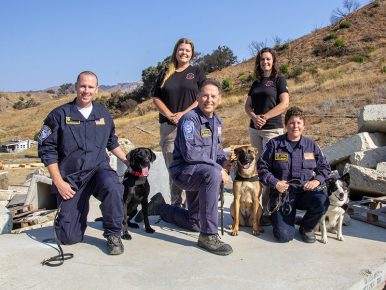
57, 260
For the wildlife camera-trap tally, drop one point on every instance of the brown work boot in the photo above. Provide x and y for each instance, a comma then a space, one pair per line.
212, 243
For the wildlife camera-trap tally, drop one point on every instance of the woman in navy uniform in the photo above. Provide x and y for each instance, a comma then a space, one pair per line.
294, 164
197, 168
72, 144
175, 94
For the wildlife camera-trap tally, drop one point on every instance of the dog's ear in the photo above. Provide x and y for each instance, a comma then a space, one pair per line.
153, 157
330, 181
236, 150
346, 179
131, 156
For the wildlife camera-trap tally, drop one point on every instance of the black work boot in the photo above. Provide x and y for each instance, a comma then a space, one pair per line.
114, 245
153, 208
212, 243
308, 237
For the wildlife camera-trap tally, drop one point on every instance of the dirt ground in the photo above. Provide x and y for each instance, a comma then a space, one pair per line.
17, 176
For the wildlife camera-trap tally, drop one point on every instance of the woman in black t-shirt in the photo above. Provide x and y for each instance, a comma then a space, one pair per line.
267, 99
175, 94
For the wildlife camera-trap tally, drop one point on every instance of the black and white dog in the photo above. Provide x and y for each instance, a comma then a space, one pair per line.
338, 193
137, 188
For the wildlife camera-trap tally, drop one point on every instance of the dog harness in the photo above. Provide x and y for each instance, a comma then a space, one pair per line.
250, 179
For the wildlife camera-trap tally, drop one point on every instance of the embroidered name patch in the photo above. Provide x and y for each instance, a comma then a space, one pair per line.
190, 76
309, 156
281, 156
100, 122
205, 133
188, 129
71, 122
44, 133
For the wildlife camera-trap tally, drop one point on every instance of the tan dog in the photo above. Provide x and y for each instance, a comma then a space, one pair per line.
245, 208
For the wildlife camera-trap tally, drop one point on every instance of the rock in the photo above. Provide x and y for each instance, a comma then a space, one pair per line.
4, 180
6, 221
360, 142
381, 166
369, 158
372, 119
366, 180
116, 164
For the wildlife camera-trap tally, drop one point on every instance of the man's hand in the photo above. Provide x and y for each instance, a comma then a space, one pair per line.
65, 190
282, 186
224, 176
311, 185
227, 164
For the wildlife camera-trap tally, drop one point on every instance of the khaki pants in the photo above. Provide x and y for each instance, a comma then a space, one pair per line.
259, 138
167, 136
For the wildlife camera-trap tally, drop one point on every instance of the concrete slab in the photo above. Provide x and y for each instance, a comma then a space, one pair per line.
369, 158
170, 259
372, 118
366, 180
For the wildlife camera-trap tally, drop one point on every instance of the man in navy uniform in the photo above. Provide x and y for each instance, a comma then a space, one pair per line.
198, 160
72, 144
295, 164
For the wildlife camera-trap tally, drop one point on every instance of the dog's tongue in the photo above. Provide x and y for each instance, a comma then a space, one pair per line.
246, 166
145, 171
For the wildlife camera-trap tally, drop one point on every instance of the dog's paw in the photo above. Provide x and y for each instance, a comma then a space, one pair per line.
235, 232
150, 230
255, 232
340, 238
126, 236
324, 240
133, 225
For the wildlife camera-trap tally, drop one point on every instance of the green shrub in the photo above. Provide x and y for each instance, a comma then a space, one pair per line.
320, 80
284, 69
340, 42
226, 85
283, 47
240, 74
376, 4
358, 58
332, 35
297, 71
384, 69
313, 70
344, 24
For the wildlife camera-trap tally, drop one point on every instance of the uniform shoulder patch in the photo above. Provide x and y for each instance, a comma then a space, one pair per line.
188, 128
44, 133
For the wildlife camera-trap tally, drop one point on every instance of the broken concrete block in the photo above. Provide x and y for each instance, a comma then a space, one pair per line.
6, 220
116, 164
366, 180
369, 158
359, 142
372, 119
39, 193
4, 180
381, 166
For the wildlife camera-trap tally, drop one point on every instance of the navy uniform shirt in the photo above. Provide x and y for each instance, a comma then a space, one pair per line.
196, 142
280, 161
77, 144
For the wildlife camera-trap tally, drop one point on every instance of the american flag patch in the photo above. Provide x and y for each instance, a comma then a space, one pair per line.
309, 156
100, 122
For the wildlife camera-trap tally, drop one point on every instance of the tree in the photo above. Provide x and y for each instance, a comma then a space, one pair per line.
338, 14
255, 47
65, 89
220, 58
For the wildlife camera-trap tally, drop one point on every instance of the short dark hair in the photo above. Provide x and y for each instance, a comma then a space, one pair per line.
86, 72
213, 82
294, 111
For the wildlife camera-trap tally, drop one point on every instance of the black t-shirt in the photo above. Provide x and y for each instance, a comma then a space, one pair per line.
264, 96
180, 90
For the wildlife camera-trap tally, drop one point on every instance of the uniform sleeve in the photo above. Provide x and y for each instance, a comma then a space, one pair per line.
157, 86
188, 142
200, 76
281, 85
264, 165
251, 89
112, 142
322, 169
48, 140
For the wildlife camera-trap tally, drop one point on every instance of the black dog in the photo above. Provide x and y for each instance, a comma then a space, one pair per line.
137, 188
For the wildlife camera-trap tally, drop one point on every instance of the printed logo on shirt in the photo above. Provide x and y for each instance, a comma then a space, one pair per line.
269, 84
100, 122
219, 130
188, 129
205, 133
71, 122
190, 76
309, 156
44, 133
281, 156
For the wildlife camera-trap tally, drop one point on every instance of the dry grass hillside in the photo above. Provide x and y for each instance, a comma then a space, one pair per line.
331, 81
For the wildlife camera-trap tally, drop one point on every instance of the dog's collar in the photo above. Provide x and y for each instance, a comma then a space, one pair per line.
136, 173
251, 179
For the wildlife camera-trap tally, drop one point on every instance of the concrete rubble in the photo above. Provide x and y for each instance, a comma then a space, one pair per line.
363, 155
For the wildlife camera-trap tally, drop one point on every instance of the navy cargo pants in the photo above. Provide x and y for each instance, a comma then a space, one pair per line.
201, 183
72, 218
314, 202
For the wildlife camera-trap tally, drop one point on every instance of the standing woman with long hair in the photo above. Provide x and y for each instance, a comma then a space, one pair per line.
175, 94
267, 99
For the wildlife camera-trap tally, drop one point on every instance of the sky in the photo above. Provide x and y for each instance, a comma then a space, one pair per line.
45, 43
